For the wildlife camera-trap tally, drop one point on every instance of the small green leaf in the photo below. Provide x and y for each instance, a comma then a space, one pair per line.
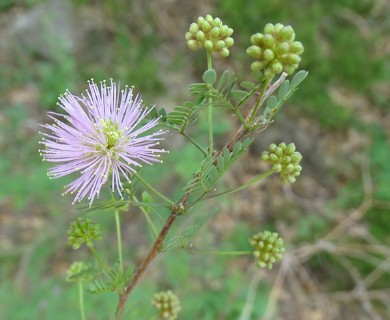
283, 90
258, 76
210, 76
146, 198
238, 95
247, 85
298, 78
272, 102
222, 81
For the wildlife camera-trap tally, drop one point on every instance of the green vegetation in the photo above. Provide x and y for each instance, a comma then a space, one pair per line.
343, 55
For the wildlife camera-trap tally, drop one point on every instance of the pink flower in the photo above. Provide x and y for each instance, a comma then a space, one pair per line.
102, 137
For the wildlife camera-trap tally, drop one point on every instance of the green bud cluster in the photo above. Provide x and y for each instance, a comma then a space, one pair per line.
78, 271
268, 248
275, 50
284, 159
83, 230
211, 34
168, 305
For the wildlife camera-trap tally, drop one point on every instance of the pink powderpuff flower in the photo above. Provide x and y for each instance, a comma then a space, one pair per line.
102, 137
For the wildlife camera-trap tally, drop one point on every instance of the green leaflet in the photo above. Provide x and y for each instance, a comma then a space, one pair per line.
115, 283
285, 91
209, 173
182, 240
220, 94
182, 116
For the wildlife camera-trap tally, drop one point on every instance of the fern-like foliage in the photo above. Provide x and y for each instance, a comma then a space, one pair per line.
221, 94
285, 91
115, 283
212, 169
183, 115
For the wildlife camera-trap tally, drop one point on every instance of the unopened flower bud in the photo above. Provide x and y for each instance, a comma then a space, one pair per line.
254, 51
279, 51
167, 304
194, 28
209, 33
224, 52
268, 247
208, 44
284, 159
83, 230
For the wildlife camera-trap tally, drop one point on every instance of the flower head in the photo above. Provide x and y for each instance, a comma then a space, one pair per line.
268, 248
168, 305
78, 271
275, 50
284, 159
83, 230
101, 137
211, 34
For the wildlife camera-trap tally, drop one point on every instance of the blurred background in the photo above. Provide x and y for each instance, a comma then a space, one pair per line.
335, 219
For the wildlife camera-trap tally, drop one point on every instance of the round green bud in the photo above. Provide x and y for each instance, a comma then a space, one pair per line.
268, 55
208, 44
289, 168
273, 157
257, 39
224, 31
296, 47
194, 28
279, 151
296, 157
200, 36
297, 168
290, 149
217, 22
214, 33
277, 167
278, 27
224, 52
290, 179
200, 21
229, 41
205, 26
269, 28
282, 48
276, 67
272, 147
293, 58
257, 66
230, 32
209, 18
282, 145
219, 44
269, 41
265, 156
188, 36
287, 33
286, 160
192, 44
254, 51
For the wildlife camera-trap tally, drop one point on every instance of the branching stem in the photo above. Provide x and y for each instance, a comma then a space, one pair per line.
210, 107
157, 193
81, 300
119, 239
